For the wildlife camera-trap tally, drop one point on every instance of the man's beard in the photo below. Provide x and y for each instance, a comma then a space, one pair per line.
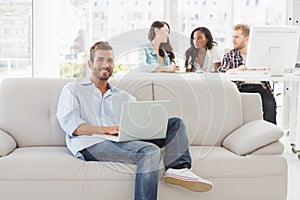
240, 46
101, 77
104, 78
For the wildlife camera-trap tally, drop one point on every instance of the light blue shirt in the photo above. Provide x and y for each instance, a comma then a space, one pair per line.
82, 102
148, 60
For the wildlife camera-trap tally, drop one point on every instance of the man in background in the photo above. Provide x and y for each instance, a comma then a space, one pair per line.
235, 60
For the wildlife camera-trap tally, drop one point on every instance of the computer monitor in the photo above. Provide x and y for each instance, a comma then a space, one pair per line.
273, 47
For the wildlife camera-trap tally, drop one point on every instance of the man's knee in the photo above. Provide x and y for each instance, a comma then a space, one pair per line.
151, 149
175, 121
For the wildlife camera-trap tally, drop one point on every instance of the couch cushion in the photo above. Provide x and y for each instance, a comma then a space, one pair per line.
252, 136
57, 163
212, 162
28, 110
50, 173
46, 163
136, 85
210, 106
7, 143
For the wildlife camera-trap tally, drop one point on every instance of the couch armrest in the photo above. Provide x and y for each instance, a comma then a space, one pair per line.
252, 136
252, 107
7, 143
271, 149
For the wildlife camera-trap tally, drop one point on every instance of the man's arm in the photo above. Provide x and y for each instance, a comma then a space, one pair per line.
225, 65
86, 129
68, 115
231, 63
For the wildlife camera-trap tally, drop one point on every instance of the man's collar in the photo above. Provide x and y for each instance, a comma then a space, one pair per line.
88, 81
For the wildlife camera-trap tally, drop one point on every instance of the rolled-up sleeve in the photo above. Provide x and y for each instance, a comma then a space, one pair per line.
68, 111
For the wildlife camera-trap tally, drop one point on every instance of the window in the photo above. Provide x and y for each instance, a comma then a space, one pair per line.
15, 38
219, 16
88, 21
54, 40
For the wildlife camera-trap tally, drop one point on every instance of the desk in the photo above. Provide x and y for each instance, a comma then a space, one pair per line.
291, 100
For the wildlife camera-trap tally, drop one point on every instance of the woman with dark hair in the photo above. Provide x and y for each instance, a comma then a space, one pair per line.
157, 54
203, 55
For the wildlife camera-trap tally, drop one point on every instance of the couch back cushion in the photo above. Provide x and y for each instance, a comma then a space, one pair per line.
135, 84
28, 108
210, 106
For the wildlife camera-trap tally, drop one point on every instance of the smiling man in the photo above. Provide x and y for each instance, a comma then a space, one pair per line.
87, 109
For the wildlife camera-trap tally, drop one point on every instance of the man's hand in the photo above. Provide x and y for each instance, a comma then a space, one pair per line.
110, 130
86, 129
239, 68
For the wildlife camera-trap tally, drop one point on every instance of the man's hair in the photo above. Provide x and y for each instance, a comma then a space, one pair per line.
244, 28
99, 45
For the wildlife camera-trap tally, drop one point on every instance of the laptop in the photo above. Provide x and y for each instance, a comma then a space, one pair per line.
142, 120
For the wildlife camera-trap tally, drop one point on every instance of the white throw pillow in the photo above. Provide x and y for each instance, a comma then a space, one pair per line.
7, 144
252, 136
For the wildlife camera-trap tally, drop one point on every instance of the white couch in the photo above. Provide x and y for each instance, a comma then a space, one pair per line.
230, 143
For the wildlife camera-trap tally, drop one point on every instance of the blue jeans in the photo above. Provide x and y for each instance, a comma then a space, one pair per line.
146, 155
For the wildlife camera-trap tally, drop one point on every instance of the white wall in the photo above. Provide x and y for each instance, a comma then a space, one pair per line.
293, 17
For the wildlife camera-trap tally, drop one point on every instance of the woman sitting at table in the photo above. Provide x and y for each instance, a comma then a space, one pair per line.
203, 55
157, 54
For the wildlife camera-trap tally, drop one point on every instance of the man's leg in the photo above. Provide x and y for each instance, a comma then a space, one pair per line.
268, 100
176, 145
177, 159
143, 154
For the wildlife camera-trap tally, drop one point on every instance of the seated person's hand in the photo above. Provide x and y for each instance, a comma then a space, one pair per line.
110, 130
239, 68
263, 69
172, 68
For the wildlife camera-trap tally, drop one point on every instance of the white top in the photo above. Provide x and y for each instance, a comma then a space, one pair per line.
211, 57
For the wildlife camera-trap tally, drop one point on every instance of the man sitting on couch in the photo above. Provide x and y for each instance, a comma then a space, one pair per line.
85, 110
